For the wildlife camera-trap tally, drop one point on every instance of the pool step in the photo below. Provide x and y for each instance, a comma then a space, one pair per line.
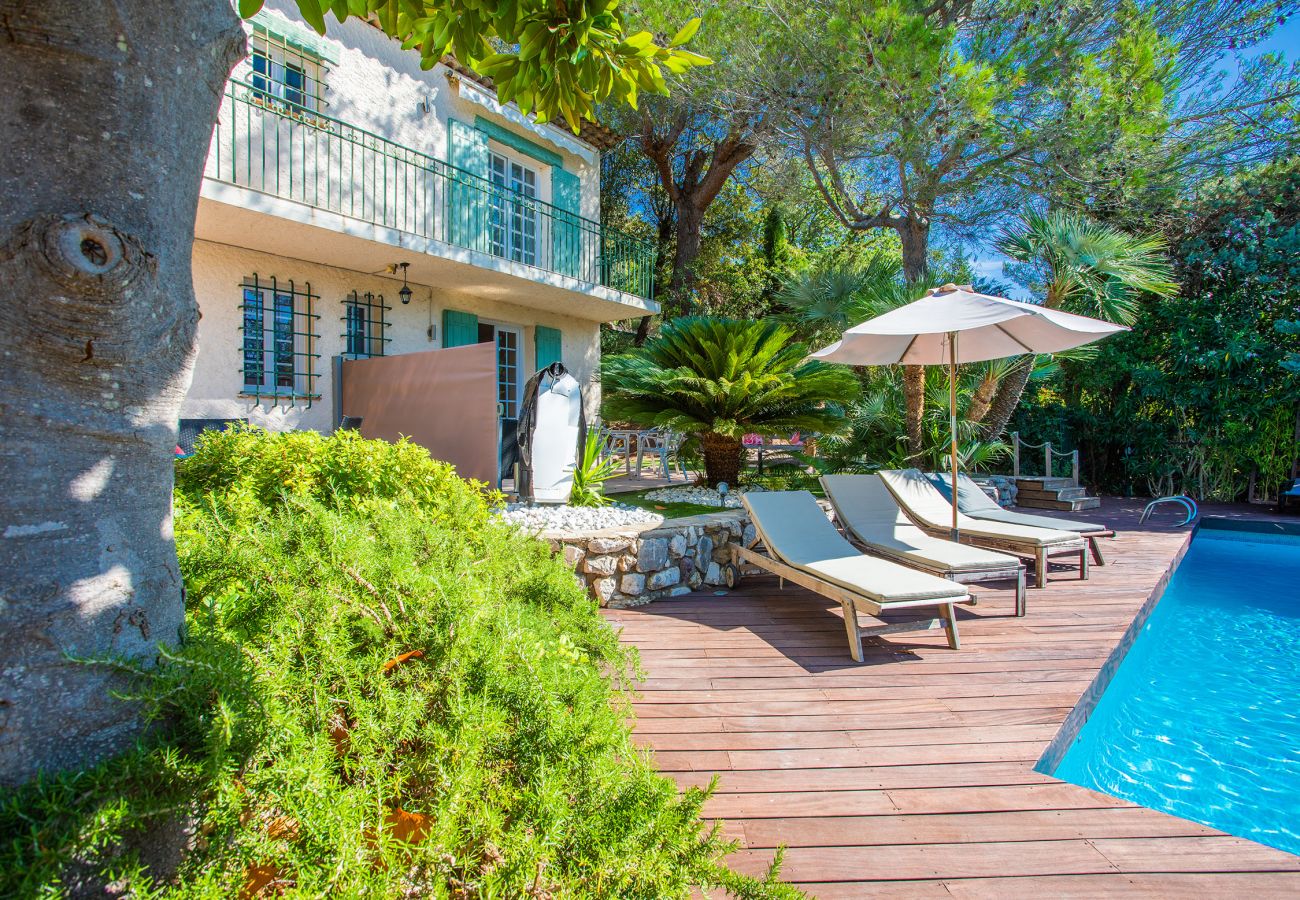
1053, 493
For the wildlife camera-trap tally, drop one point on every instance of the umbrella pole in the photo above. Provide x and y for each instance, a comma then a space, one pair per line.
952, 423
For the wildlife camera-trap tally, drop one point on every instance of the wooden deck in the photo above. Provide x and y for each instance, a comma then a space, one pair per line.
913, 774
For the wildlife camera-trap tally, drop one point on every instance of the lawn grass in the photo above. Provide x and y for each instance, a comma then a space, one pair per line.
667, 510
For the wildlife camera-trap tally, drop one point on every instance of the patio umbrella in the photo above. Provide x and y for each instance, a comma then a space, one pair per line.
955, 324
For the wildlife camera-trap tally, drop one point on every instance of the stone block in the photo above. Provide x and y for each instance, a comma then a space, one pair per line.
664, 578
600, 565
714, 574
652, 555
608, 544
677, 546
573, 555
604, 589
703, 553
632, 584
679, 591
627, 562
747, 536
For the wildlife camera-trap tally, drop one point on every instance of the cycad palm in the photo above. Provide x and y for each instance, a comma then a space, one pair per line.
722, 378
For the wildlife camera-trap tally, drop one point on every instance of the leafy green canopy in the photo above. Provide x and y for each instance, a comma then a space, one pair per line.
726, 377
553, 59
1198, 397
384, 692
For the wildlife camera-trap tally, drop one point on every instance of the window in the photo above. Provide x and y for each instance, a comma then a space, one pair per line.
513, 220
364, 325
279, 339
285, 72
508, 365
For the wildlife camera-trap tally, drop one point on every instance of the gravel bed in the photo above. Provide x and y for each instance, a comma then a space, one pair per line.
531, 517
705, 496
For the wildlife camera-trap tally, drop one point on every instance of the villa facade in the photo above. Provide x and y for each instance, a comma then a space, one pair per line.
335, 160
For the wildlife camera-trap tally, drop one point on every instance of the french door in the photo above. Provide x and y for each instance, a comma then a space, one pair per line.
513, 221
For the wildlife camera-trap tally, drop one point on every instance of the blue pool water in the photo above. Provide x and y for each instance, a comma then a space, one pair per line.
1202, 717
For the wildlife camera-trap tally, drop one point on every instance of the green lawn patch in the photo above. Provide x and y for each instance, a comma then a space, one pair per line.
667, 510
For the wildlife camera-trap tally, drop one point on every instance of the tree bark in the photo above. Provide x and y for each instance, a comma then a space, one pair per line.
982, 400
692, 177
104, 146
722, 458
914, 233
1007, 398
690, 221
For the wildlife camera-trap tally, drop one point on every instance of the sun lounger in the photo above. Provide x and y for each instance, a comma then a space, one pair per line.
972, 500
873, 519
928, 508
802, 546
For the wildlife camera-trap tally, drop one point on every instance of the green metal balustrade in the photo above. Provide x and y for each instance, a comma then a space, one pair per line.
269, 144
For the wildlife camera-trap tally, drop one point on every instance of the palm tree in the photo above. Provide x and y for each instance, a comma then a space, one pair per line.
1083, 267
721, 379
831, 299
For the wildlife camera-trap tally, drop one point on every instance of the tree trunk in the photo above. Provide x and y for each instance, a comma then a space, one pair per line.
1007, 398
914, 233
104, 147
722, 458
689, 224
982, 399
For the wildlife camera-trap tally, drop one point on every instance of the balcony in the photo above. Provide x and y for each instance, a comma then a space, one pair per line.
270, 156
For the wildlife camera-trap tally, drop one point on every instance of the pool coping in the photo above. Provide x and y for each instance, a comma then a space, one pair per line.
1082, 711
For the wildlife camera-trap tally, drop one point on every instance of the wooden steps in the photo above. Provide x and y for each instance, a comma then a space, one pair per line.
1053, 493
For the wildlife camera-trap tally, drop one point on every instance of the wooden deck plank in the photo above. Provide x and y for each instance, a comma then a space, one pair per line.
912, 775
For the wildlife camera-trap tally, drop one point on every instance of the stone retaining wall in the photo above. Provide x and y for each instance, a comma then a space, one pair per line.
633, 565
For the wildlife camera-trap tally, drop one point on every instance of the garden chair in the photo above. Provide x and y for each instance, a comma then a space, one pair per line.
662, 445
801, 545
873, 520
972, 501
928, 508
617, 443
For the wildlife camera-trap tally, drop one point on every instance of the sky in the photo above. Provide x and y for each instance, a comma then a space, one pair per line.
1285, 39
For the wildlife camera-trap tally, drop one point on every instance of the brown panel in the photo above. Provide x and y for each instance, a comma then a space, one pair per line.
443, 400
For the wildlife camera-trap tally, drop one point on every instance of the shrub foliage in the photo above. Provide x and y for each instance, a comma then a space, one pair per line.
383, 692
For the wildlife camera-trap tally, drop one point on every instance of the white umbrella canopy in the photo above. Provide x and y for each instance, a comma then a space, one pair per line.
989, 328
954, 324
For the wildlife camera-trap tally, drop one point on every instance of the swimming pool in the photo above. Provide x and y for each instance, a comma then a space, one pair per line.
1201, 719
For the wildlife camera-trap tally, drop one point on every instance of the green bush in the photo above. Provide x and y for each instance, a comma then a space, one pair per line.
383, 693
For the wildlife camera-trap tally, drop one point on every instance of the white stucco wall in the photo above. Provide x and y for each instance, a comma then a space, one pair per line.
219, 271
378, 86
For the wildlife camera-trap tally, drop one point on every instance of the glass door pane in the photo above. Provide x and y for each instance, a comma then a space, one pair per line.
508, 364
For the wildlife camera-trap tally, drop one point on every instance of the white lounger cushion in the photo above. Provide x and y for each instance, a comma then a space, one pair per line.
932, 509
869, 511
797, 532
972, 500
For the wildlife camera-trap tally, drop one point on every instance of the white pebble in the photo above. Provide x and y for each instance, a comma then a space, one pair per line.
704, 496
531, 517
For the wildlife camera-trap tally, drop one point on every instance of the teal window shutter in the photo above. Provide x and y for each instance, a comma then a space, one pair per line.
566, 231
459, 328
548, 346
467, 205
